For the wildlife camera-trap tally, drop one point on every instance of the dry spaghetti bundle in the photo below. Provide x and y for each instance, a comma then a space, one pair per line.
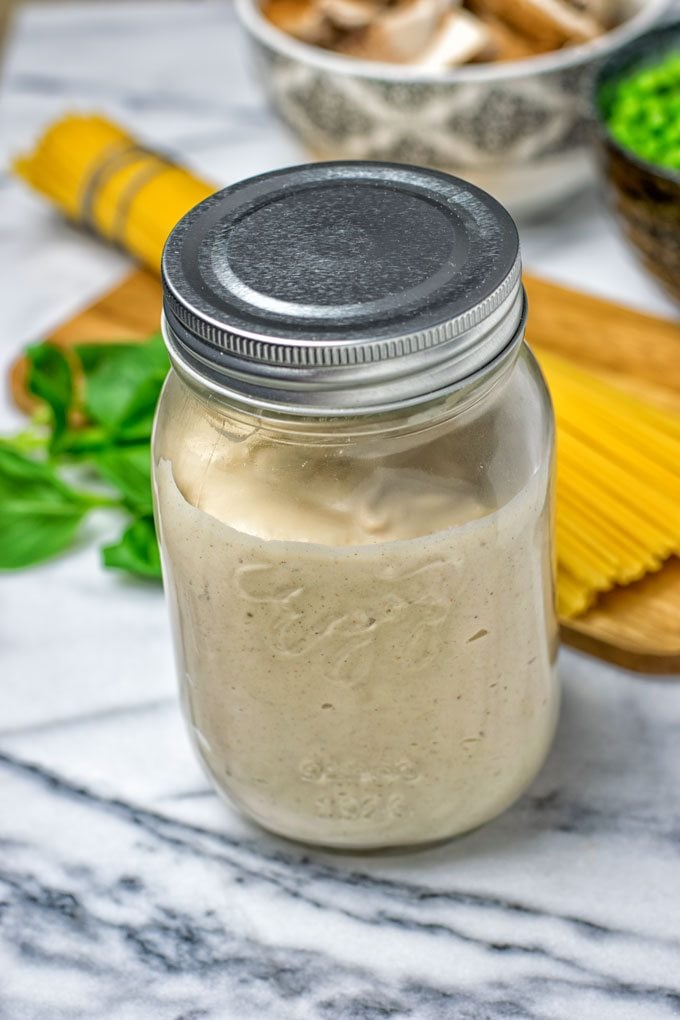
618, 464
100, 176
618, 484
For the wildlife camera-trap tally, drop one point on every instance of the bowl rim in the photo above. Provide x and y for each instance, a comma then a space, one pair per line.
640, 42
254, 21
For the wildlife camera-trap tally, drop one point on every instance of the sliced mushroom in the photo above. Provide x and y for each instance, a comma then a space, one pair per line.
460, 37
604, 11
552, 23
505, 43
303, 19
401, 34
441, 33
351, 14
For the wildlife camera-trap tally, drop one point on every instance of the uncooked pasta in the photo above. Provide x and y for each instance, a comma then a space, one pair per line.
618, 484
102, 177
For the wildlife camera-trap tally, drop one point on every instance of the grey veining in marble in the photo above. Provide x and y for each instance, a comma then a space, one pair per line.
127, 890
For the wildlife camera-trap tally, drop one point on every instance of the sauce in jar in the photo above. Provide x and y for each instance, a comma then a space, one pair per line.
358, 554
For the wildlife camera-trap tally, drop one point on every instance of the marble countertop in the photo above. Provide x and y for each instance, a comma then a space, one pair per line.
127, 892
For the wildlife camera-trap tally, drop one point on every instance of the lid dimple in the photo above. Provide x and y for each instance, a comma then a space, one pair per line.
360, 273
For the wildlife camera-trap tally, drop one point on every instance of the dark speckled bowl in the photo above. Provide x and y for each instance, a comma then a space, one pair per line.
646, 198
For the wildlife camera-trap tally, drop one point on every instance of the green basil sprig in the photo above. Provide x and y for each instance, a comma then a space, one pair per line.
114, 391
50, 379
136, 551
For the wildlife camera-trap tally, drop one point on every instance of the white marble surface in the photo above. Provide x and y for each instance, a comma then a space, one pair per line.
127, 892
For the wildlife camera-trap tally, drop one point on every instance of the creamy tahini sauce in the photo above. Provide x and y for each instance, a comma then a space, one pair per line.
364, 651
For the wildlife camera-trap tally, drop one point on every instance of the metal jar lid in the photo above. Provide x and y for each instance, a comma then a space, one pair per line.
342, 288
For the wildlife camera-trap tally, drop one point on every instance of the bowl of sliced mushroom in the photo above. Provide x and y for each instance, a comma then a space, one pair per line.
494, 91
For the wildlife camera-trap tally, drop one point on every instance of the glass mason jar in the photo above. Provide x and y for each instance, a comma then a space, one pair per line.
352, 468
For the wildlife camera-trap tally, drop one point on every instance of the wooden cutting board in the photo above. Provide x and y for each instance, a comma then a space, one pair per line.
637, 627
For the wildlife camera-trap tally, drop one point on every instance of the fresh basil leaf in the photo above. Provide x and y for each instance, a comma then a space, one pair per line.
137, 550
93, 356
39, 514
123, 383
138, 422
22, 477
82, 442
33, 533
128, 469
50, 379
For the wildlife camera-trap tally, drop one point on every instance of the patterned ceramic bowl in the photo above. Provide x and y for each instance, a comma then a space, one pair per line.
516, 129
645, 197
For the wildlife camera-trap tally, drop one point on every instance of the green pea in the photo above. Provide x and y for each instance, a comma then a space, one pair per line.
673, 132
644, 111
629, 107
645, 84
656, 118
